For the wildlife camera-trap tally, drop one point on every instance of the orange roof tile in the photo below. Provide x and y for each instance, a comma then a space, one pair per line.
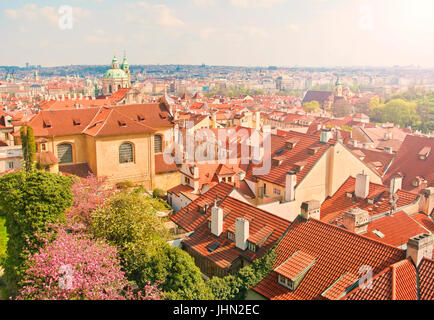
337, 251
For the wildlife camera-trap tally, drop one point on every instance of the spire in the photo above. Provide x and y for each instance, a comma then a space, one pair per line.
115, 63
125, 64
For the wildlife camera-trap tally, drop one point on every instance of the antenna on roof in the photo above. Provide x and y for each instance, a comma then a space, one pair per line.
216, 199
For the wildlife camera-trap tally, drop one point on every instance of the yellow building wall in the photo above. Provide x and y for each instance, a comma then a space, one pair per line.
140, 171
79, 148
167, 180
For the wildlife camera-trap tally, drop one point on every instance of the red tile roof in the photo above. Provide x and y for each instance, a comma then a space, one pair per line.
333, 208
397, 229
227, 252
397, 282
299, 153
408, 163
337, 252
161, 166
425, 221
189, 218
426, 279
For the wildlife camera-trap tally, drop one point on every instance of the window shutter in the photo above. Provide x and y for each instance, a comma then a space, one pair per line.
64, 153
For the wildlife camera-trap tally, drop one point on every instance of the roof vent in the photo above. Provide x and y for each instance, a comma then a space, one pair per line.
122, 123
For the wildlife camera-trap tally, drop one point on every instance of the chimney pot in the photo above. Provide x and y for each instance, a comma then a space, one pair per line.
216, 220
291, 181
242, 227
420, 247
362, 186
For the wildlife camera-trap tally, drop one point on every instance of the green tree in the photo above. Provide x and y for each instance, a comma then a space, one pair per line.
234, 287
401, 112
32, 202
28, 146
312, 106
129, 221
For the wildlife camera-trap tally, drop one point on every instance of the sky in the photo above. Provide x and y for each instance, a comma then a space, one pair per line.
315, 33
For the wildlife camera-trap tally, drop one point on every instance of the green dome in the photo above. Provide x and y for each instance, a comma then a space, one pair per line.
116, 74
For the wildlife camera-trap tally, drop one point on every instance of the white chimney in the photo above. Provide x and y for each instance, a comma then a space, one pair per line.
426, 203
395, 184
356, 220
311, 210
420, 247
362, 186
242, 227
216, 220
291, 181
258, 121
326, 135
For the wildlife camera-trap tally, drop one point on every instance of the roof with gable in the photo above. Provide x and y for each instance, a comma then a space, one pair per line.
300, 153
396, 229
408, 163
320, 96
189, 218
334, 207
337, 252
103, 121
400, 281
262, 224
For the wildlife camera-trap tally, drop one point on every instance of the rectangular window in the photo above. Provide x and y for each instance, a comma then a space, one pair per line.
276, 192
187, 180
11, 164
231, 236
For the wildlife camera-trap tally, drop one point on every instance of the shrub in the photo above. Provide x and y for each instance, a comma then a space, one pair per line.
125, 185
158, 193
32, 202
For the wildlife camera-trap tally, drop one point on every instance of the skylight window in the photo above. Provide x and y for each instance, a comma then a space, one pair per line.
379, 234
213, 247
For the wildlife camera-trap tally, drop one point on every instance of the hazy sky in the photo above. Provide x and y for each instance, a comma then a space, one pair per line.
220, 32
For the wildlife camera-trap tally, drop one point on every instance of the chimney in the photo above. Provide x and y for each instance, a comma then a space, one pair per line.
216, 220
326, 135
311, 209
420, 247
258, 121
356, 220
196, 179
355, 143
362, 186
395, 184
242, 227
426, 202
291, 181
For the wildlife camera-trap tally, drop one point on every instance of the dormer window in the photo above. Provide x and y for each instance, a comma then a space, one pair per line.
140, 117
251, 246
312, 151
122, 123
292, 272
76, 122
231, 236
424, 153
291, 143
47, 124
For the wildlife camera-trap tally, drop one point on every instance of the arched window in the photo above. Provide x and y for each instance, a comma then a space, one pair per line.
119, 87
158, 144
64, 153
110, 89
126, 153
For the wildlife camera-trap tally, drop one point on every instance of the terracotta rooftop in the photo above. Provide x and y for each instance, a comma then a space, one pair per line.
337, 252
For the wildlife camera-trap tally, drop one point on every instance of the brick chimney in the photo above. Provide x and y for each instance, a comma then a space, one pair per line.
420, 247
395, 184
196, 179
362, 186
242, 229
291, 181
216, 220
426, 202
356, 220
311, 210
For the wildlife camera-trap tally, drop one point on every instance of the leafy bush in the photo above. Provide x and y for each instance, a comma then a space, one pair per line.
32, 202
234, 287
158, 193
125, 185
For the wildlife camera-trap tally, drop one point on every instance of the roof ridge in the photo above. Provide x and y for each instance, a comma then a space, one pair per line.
356, 234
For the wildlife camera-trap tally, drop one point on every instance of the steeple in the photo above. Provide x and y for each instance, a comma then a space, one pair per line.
125, 65
115, 63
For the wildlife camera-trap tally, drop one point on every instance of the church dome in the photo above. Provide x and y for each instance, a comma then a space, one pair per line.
115, 74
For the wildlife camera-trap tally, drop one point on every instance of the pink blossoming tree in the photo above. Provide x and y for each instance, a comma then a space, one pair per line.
75, 267
89, 194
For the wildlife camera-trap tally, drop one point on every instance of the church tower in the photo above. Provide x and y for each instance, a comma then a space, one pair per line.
339, 88
116, 78
126, 67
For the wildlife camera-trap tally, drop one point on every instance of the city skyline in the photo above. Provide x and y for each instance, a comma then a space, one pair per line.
313, 33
